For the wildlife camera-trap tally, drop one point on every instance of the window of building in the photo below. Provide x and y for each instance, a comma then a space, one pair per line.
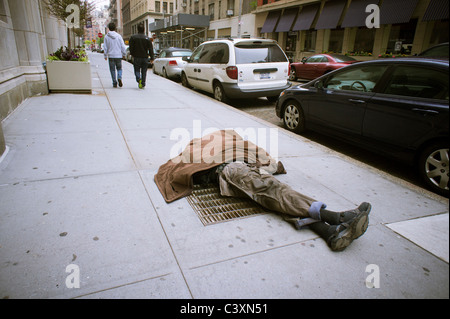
364, 40
440, 32
336, 40
211, 11
401, 37
310, 40
3, 11
157, 6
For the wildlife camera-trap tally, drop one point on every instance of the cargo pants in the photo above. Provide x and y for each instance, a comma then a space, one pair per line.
240, 180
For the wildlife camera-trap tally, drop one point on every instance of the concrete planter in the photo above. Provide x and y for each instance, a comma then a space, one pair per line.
69, 77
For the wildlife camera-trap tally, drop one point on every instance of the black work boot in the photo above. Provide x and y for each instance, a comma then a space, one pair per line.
339, 237
335, 218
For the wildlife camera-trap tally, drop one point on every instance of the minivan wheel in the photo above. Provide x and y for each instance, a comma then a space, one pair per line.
219, 93
293, 75
184, 80
433, 167
293, 117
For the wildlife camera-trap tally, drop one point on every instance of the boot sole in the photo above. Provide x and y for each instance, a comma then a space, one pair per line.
356, 228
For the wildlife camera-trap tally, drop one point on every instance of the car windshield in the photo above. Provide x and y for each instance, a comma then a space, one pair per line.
180, 53
342, 58
258, 53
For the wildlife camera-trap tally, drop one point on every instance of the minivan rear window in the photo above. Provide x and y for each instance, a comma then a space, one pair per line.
259, 53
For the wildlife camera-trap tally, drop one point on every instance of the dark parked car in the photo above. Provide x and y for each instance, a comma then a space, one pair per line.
440, 50
396, 107
318, 65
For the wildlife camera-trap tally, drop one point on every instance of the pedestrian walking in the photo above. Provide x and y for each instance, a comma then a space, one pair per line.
115, 49
141, 48
242, 169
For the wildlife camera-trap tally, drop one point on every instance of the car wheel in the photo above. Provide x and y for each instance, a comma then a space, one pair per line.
433, 167
293, 75
165, 73
184, 80
219, 93
293, 117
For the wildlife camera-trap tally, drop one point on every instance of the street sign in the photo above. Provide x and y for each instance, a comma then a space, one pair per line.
100, 35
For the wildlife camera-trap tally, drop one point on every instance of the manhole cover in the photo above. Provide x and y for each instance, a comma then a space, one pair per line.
212, 208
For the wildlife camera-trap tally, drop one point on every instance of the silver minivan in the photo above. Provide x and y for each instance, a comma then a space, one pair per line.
238, 68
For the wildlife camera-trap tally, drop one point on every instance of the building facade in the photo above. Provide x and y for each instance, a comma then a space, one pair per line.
144, 12
307, 27
27, 35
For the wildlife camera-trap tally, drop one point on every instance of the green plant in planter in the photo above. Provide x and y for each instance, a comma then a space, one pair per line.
66, 54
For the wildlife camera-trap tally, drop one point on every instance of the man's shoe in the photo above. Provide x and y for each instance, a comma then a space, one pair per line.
120, 82
346, 232
140, 84
361, 214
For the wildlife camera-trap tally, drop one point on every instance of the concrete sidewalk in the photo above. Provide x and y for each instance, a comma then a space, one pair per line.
77, 196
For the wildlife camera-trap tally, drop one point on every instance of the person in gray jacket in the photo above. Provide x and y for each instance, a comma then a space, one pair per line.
114, 50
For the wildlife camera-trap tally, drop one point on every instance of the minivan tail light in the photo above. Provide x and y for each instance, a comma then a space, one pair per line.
173, 62
232, 72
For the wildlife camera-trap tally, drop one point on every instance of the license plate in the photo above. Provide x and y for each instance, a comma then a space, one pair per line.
264, 76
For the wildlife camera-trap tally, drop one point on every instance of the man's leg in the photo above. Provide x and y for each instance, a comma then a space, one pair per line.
112, 69
338, 229
144, 68
119, 71
265, 190
137, 70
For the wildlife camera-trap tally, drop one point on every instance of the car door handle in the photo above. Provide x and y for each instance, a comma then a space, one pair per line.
357, 101
425, 112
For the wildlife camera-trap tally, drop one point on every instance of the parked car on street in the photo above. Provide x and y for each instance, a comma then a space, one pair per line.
170, 62
238, 68
396, 107
318, 65
440, 50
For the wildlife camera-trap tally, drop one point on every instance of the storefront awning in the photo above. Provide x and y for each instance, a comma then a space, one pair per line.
356, 14
397, 11
437, 10
287, 19
271, 21
331, 13
306, 17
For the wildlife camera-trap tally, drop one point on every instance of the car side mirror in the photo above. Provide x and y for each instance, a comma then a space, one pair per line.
303, 60
318, 85
186, 58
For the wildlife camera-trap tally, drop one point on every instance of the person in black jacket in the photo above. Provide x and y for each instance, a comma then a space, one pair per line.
141, 48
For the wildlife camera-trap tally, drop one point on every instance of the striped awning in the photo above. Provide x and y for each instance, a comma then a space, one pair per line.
397, 11
287, 19
437, 10
331, 13
306, 17
356, 14
271, 21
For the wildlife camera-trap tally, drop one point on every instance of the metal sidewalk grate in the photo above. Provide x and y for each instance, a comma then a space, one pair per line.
213, 208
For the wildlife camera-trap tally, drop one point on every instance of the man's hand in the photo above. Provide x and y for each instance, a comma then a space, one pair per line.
106, 59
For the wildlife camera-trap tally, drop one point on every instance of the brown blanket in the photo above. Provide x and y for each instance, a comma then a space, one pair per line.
175, 178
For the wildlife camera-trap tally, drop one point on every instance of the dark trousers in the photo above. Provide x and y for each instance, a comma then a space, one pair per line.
140, 69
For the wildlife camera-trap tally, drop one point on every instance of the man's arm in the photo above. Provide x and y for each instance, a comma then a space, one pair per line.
150, 50
132, 46
105, 48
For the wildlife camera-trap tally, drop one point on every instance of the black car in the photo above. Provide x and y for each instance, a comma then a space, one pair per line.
396, 107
